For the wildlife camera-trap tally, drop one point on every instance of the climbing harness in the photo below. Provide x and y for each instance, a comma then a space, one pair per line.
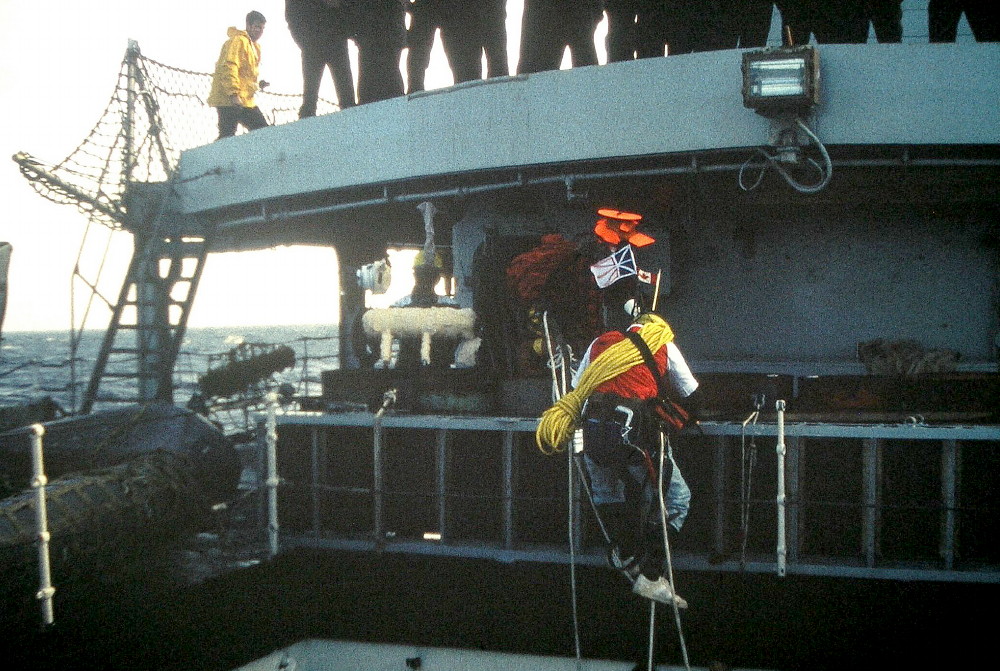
557, 424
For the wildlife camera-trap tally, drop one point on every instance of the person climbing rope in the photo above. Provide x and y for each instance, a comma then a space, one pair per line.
622, 408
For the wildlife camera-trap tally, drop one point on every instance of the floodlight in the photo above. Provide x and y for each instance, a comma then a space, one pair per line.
781, 81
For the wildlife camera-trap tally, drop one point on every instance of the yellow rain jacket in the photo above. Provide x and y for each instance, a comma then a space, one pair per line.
237, 71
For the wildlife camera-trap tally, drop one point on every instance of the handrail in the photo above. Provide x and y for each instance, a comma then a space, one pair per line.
38, 482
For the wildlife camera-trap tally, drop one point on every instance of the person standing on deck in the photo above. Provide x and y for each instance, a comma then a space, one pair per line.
550, 26
235, 79
379, 28
468, 30
320, 29
613, 388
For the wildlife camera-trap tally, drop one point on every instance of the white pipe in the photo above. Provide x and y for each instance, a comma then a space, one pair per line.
780, 448
272, 482
38, 482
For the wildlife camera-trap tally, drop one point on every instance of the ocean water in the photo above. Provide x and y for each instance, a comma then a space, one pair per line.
35, 364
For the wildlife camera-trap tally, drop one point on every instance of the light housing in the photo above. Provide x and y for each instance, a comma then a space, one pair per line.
781, 81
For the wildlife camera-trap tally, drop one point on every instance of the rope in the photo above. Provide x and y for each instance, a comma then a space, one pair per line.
825, 170
664, 446
558, 422
572, 553
558, 363
747, 462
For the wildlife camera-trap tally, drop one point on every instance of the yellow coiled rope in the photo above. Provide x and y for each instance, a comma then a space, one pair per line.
558, 422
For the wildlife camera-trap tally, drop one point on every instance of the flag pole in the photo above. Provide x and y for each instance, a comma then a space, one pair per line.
656, 291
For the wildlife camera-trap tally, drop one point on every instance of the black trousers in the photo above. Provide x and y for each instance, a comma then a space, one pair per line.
229, 117
316, 57
943, 17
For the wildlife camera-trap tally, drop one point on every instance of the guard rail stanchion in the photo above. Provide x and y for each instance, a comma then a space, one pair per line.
38, 482
780, 448
271, 429
378, 530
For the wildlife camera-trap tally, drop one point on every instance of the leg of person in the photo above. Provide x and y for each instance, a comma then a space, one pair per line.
228, 118
607, 491
580, 37
887, 19
651, 29
378, 75
541, 46
312, 73
651, 583
252, 118
493, 37
942, 20
620, 40
982, 17
463, 49
753, 21
381, 37
679, 26
677, 497
420, 40
340, 68
845, 22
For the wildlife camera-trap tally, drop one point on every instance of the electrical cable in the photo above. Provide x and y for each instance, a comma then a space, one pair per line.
825, 170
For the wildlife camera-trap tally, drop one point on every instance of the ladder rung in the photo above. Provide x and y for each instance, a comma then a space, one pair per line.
149, 304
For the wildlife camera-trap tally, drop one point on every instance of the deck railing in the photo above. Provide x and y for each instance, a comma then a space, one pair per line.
899, 501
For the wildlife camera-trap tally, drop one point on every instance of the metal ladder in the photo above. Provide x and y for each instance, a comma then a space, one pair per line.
149, 319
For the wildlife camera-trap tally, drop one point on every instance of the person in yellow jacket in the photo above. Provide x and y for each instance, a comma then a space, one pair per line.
234, 81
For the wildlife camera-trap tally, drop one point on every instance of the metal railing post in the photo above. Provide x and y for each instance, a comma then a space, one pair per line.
272, 482
38, 482
780, 448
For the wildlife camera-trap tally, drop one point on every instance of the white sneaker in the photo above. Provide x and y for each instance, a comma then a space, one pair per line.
658, 590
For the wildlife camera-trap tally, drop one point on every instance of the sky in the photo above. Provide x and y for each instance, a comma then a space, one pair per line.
58, 67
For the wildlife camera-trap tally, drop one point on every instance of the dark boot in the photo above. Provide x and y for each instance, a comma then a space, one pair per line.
621, 546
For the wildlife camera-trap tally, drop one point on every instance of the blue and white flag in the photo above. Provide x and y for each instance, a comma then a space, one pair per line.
610, 269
